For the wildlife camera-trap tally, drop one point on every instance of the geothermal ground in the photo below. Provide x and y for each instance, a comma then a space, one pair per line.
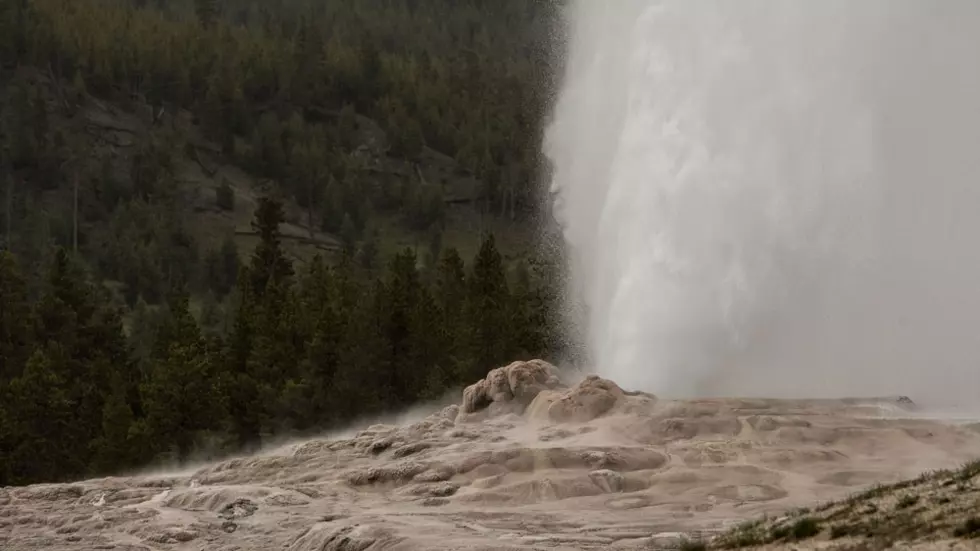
523, 462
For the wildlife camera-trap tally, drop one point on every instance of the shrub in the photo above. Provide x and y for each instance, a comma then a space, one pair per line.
806, 527
225, 196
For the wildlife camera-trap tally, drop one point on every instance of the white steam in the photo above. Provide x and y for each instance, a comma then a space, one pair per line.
775, 197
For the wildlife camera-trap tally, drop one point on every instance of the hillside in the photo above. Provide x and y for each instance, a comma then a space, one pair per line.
373, 144
107, 140
938, 510
224, 223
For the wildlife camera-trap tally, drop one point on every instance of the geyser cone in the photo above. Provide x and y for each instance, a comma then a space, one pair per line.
775, 197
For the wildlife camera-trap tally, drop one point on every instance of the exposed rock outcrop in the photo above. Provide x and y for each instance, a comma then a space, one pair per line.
509, 389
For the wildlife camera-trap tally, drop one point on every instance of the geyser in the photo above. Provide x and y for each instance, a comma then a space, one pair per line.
775, 197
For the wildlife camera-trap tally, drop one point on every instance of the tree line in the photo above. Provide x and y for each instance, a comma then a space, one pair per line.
84, 391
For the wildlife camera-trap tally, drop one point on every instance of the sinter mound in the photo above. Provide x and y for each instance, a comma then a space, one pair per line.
523, 462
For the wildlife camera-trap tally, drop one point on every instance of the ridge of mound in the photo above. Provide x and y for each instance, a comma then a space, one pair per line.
523, 462
534, 389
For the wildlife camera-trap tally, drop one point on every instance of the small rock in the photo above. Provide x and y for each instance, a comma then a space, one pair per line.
240, 508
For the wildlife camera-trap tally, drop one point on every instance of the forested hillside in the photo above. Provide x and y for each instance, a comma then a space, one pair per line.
225, 220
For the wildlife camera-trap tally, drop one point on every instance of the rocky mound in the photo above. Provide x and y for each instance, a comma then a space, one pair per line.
534, 388
522, 462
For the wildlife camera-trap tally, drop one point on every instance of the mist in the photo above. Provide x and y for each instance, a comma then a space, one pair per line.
774, 198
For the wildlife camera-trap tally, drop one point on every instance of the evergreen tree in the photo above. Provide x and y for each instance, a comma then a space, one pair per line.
77, 321
429, 350
243, 392
401, 297
450, 292
527, 312
487, 311
114, 449
269, 265
182, 394
14, 318
319, 298
276, 351
361, 385
42, 435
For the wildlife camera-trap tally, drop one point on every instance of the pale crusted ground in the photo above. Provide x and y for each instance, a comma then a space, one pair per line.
523, 464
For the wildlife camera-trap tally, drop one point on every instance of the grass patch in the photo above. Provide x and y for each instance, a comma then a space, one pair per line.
747, 534
806, 528
692, 545
907, 500
969, 471
779, 533
969, 529
843, 530
874, 492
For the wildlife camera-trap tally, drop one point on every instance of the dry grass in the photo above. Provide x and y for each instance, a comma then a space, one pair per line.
934, 507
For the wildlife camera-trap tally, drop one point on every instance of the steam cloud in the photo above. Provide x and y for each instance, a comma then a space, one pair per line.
775, 197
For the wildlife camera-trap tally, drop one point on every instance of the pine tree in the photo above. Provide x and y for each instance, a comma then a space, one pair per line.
429, 350
182, 394
41, 416
361, 384
276, 351
269, 265
527, 311
7, 437
14, 318
75, 319
487, 311
114, 448
242, 391
451, 296
401, 296
319, 298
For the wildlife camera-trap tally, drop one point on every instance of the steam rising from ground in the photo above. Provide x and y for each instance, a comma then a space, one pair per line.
775, 197
523, 461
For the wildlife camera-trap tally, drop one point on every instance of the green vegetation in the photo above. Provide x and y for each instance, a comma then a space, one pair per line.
969, 529
692, 545
140, 133
935, 506
302, 350
222, 220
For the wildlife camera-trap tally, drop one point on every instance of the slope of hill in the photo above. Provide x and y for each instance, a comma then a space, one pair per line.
168, 119
103, 145
937, 510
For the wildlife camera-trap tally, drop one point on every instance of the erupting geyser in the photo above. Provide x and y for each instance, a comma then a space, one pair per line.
774, 196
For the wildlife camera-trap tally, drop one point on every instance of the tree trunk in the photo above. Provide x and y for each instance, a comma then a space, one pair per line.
8, 234
74, 232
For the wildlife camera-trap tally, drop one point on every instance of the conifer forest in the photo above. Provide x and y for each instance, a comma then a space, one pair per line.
224, 222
